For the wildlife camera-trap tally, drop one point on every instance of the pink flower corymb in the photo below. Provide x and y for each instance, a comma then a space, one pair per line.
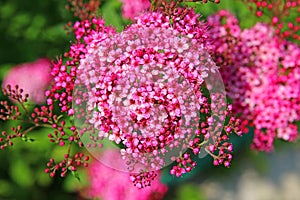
110, 184
262, 75
154, 92
131, 9
33, 78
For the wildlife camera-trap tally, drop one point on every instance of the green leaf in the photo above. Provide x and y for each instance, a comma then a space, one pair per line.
72, 185
76, 175
171, 21
27, 139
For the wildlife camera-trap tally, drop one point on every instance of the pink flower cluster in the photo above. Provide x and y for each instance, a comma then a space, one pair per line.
144, 91
262, 74
65, 74
185, 21
109, 184
34, 78
132, 9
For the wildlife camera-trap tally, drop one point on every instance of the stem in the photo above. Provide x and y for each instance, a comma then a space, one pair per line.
36, 124
211, 154
30, 129
69, 147
202, 143
25, 109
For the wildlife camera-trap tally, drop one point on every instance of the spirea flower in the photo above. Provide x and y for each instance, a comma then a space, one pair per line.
183, 20
65, 73
34, 78
262, 75
144, 91
110, 184
132, 9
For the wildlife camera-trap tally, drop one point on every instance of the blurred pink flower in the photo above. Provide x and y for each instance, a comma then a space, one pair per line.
132, 9
110, 184
33, 78
262, 75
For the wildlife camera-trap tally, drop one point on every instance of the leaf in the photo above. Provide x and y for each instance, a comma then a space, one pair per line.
27, 139
72, 185
76, 175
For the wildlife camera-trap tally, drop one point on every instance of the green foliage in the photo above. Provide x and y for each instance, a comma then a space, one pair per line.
111, 13
237, 7
28, 32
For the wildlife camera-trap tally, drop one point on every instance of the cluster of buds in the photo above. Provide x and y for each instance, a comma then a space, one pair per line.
143, 179
16, 94
133, 9
83, 10
60, 94
12, 112
67, 164
184, 165
41, 116
6, 139
157, 3
279, 14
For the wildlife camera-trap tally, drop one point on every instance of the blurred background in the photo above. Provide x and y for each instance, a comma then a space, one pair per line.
30, 30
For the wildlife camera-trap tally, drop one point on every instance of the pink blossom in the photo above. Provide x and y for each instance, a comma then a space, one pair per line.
64, 74
110, 184
143, 92
262, 76
131, 9
33, 78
